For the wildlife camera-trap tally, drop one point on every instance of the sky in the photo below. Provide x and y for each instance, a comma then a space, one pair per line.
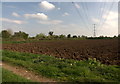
75, 18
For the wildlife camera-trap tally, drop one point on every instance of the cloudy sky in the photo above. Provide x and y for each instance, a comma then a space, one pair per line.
61, 17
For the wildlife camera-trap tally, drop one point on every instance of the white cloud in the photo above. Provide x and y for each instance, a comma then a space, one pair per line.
15, 14
110, 15
59, 8
111, 19
95, 20
66, 14
46, 5
12, 21
77, 6
40, 16
110, 26
50, 22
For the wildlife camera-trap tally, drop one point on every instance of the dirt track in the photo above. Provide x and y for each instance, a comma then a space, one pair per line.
25, 73
105, 51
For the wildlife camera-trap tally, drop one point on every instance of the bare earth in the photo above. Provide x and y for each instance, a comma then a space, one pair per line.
104, 50
25, 73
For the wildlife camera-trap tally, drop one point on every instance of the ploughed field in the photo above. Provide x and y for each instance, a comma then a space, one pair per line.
105, 50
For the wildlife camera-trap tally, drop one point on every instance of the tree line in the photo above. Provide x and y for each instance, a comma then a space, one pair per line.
6, 34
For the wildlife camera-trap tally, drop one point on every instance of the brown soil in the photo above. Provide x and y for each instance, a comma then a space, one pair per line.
25, 73
105, 51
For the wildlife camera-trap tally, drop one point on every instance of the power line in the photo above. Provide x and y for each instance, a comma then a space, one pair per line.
85, 12
88, 12
80, 15
107, 14
85, 17
102, 12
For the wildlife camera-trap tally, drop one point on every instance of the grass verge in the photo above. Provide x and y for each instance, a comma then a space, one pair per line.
61, 69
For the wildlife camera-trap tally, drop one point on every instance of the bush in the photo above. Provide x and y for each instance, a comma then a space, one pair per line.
40, 36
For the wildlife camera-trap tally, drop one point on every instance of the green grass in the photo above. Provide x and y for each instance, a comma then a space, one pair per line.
89, 70
31, 41
8, 76
10, 42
